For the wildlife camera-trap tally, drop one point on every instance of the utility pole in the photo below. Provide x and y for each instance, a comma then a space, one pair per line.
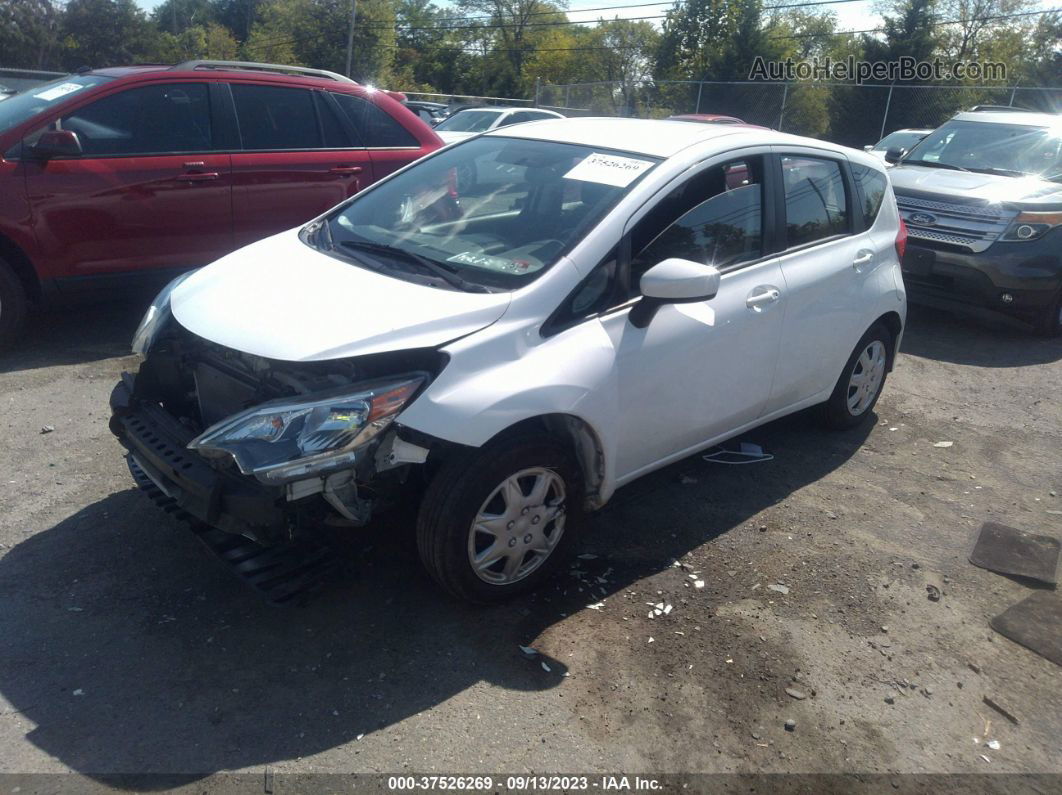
350, 34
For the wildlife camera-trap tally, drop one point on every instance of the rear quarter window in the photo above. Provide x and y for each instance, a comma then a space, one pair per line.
871, 187
375, 127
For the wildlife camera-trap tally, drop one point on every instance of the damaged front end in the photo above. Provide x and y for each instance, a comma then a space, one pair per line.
270, 449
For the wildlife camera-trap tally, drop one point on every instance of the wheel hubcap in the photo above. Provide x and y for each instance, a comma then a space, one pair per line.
866, 377
518, 526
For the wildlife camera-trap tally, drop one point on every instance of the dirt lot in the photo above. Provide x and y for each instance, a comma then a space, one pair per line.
125, 647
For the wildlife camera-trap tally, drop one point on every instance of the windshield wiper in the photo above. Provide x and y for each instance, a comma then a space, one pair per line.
431, 266
933, 164
1009, 172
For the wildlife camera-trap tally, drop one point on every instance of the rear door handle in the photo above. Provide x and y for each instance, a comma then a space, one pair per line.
764, 296
197, 176
346, 170
864, 257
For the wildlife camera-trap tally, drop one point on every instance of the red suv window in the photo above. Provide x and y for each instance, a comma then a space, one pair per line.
375, 128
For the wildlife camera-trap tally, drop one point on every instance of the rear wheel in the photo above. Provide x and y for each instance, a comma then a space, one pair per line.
13, 304
496, 522
861, 381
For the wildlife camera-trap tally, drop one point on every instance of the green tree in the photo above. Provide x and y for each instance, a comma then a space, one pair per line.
100, 33
712, 40
28, 33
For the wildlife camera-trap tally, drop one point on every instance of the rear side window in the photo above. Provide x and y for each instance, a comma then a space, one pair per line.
376, 129
871, 186
150, 120
276, 117
335, 136
815, 202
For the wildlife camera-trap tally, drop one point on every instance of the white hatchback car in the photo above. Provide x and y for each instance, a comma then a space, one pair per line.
472, 121
602, 298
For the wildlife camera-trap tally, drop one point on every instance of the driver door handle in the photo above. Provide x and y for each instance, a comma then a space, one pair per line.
346, 170
762, 297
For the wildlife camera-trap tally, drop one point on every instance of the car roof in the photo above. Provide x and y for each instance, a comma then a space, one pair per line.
220, 72
919, 130
1028, 118
655, 137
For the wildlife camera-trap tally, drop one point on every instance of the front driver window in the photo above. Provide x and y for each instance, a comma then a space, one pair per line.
716, 218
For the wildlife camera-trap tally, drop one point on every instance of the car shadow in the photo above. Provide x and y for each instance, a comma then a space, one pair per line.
75, 335
984, 340
129, 650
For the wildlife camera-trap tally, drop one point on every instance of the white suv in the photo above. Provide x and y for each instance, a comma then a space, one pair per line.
601, 298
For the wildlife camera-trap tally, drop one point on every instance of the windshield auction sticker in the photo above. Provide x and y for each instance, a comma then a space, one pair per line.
60, 90
609, 169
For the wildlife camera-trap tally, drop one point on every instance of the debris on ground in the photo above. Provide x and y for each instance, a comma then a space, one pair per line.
1001, 709
1007, 550
47, 428
1035, 623
596, 606
744, 453
799, 695
546, 668
993, 744
933, 593
943, 444
782, 589
698, 584
528, 652
790, 725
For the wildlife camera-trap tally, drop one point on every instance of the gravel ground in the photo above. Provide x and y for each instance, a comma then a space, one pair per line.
126, 648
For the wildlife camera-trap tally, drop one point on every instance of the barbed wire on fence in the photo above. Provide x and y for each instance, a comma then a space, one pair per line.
849, 114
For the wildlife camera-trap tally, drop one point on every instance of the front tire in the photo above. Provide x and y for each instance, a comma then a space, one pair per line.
497, 521
13, 304
860, 384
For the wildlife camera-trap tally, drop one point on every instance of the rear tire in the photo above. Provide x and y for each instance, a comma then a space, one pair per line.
861, 381
13, 305
517, 502
1049, 322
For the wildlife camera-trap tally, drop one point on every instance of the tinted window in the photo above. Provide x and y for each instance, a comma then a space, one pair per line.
156, 119
469, 121
375, 127
335, 135
814, 199
38, 99
276, 117
715, 218
871, 186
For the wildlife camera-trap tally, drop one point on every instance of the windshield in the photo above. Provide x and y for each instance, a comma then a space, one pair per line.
496, 212
992, 148
21, 107
469, 121
902, 140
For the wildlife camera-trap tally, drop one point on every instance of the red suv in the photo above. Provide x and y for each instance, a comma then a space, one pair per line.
128, 175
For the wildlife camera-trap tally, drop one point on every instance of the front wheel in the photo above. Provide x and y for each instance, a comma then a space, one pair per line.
497, 521
861, 381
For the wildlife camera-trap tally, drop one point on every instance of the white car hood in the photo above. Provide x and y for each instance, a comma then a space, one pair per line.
449, 137
281, 299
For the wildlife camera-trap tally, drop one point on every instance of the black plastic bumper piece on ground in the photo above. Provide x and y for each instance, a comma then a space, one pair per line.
282, 573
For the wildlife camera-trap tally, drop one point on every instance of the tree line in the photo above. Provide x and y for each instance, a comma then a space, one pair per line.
506, 47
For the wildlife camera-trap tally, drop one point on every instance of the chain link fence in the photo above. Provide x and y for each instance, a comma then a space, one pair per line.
843, 113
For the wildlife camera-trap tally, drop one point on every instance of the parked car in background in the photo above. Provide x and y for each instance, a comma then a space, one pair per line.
904, 140
121, 176
706, 118
982, 198
6, 92
430, 113
607, 302
467, 122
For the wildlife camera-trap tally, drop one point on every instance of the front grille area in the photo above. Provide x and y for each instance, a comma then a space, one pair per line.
972, 227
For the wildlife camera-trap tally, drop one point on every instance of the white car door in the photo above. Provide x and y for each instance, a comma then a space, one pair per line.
700, 370
825, 264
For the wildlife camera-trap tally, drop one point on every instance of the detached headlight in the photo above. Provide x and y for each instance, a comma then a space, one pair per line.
156, 316
1030, 226
290, 438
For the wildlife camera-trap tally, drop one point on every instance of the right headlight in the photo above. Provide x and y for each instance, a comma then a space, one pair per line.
293, 438
1030, 226
156, 316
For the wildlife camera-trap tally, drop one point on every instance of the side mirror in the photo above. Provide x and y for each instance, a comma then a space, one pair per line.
673, 281
893, 154
57, 143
